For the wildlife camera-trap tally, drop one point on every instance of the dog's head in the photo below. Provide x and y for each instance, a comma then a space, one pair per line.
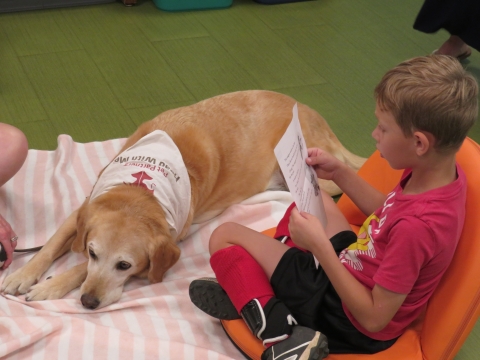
123, 233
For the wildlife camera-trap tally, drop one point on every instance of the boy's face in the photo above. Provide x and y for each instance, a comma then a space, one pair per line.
391, 142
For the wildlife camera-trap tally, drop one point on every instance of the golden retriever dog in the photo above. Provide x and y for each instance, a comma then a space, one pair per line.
222, 154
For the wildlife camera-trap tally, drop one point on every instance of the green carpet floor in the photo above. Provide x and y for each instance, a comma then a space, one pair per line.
97, 72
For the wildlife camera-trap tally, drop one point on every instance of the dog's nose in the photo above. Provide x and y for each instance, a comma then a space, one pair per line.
89, 301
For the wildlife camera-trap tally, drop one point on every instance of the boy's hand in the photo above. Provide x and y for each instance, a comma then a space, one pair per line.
324, 163
306, 230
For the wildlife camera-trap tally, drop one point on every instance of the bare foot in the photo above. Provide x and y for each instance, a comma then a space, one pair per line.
455, 47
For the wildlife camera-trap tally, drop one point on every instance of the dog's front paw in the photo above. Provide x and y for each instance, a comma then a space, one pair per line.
18, 283
50, 289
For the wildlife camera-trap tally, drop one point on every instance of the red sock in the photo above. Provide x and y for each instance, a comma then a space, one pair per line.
242, 278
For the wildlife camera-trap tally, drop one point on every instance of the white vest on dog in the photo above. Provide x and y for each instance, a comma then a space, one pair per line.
154, 163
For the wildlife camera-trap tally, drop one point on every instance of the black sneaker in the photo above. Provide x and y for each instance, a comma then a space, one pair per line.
304, 343
209, 296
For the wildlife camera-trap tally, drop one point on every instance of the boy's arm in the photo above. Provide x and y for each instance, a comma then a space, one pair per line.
366, 197
372, 309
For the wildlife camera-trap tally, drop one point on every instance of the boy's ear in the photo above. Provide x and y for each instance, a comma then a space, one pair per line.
423, 142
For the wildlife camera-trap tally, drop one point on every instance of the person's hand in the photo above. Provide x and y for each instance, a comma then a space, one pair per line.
306, 230
6, 236
324, 163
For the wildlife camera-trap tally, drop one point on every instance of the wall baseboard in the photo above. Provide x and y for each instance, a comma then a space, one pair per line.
23, 5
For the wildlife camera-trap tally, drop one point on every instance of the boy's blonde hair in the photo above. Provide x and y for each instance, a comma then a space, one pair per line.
434, 94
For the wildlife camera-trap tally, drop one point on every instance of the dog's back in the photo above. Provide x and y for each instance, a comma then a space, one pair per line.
227, 144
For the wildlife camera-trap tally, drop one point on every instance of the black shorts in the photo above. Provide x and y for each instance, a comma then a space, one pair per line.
314, 303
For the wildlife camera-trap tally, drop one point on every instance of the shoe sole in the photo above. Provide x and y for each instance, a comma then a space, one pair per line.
465, 55
318, 348
208, 296
460, 57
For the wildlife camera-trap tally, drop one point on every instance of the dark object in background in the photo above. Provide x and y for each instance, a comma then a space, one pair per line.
23, 5
458, 17
3, 255
273, 2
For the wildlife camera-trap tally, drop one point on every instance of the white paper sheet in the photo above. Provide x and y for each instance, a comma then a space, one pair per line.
291, 152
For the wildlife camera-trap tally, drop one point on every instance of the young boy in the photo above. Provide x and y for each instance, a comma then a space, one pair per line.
367, 289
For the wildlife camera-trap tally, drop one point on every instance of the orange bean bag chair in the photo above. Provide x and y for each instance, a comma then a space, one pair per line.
454, 307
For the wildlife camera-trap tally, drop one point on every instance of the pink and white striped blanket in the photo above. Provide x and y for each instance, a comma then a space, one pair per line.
149, 321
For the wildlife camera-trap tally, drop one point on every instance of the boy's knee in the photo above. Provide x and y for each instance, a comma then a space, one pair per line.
14, 141
219, 237
14, 151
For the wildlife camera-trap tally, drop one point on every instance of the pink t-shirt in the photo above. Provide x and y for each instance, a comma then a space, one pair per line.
406, 245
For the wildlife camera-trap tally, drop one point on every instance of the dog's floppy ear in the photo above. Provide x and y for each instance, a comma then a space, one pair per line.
78, 244
162, 258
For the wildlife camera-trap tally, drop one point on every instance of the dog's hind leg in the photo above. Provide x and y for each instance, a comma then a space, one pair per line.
21, 280
277, 181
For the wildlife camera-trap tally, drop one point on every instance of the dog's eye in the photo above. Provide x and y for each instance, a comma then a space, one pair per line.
123, 265
92, 254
